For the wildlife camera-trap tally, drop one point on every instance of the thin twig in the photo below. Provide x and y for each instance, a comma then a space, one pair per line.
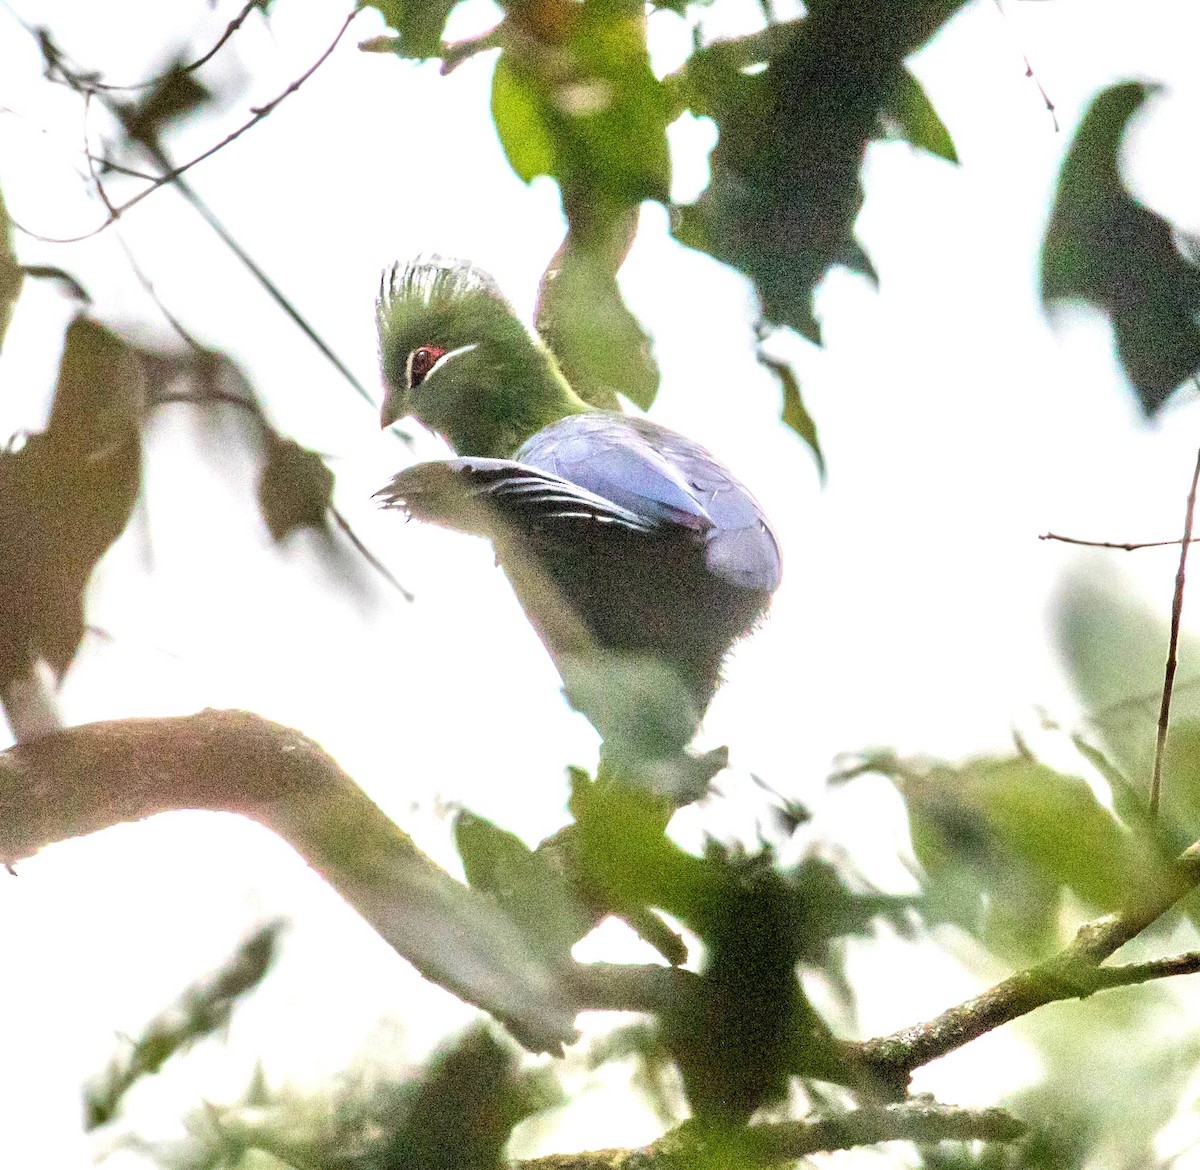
191, 66
456, 52
258, 114
1160, 742
1030, 73
368, 555
1121, 546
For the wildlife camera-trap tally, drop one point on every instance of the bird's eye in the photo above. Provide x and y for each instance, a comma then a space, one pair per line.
420, 362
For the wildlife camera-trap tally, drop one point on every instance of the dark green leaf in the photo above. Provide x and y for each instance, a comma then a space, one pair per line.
1104, 246
795, 413
781, 206
749, 1026
11, 275
598, 342
176, 95
295, 489
528, 885
910, 115
469, 1100
420, 24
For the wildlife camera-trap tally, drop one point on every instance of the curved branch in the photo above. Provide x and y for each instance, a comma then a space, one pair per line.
89, 778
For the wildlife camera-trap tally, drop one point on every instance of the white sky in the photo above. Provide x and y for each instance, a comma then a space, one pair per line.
914, 611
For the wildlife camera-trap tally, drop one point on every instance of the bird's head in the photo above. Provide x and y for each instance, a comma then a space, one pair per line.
455, 355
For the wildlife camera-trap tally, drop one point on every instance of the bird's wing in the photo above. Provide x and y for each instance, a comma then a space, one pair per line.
471, 494
662, 476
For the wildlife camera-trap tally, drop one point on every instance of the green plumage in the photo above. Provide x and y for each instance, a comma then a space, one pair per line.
487, 402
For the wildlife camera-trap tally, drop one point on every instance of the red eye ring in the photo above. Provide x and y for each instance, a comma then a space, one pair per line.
420, 362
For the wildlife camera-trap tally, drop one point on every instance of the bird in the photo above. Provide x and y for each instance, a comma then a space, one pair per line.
625, 542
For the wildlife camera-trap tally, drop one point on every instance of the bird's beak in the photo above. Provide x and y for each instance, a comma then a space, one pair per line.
392, 410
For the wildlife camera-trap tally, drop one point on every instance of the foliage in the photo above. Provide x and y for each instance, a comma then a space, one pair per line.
1104, 246
744, 1026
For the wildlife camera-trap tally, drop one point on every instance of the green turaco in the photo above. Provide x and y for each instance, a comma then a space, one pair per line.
622, 539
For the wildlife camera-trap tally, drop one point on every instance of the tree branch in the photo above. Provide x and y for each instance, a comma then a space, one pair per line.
1074, 973
258, 113
89, 778
1164, 713
780, 1142
1123, 546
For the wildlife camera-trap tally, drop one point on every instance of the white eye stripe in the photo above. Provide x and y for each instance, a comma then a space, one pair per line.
437, 365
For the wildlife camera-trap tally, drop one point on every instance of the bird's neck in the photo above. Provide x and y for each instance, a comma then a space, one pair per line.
548, 398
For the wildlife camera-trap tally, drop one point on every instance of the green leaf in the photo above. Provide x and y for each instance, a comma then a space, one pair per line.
785, 188
295, 488
910, 115
528, 885
528, 142
795, 413
1000, 839
420, 23
602, 349
11, 275
466, 1106
587, 111
1105, 247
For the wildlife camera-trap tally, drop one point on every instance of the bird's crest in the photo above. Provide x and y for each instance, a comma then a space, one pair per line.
431, 283
434, 301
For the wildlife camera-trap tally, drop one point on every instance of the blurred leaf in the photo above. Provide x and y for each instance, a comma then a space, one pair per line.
598, 342
60, 276
11, 275
910, 116
469, 1100
999, 839
202, 1009
781, 207
585, 108
654, 1074
1113, 647
795, 413
177, 94
65, 497
295, 489
740, 1037
1105, 247
526, 884
420, 23
527, 141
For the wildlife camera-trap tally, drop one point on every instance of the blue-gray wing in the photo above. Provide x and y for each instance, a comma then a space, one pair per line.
657, 473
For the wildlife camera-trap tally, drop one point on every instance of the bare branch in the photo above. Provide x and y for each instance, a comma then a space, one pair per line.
88, 778
258, 114
1164, 714
1123, 547
191, 66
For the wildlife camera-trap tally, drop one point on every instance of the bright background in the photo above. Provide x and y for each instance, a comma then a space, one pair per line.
917, 607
